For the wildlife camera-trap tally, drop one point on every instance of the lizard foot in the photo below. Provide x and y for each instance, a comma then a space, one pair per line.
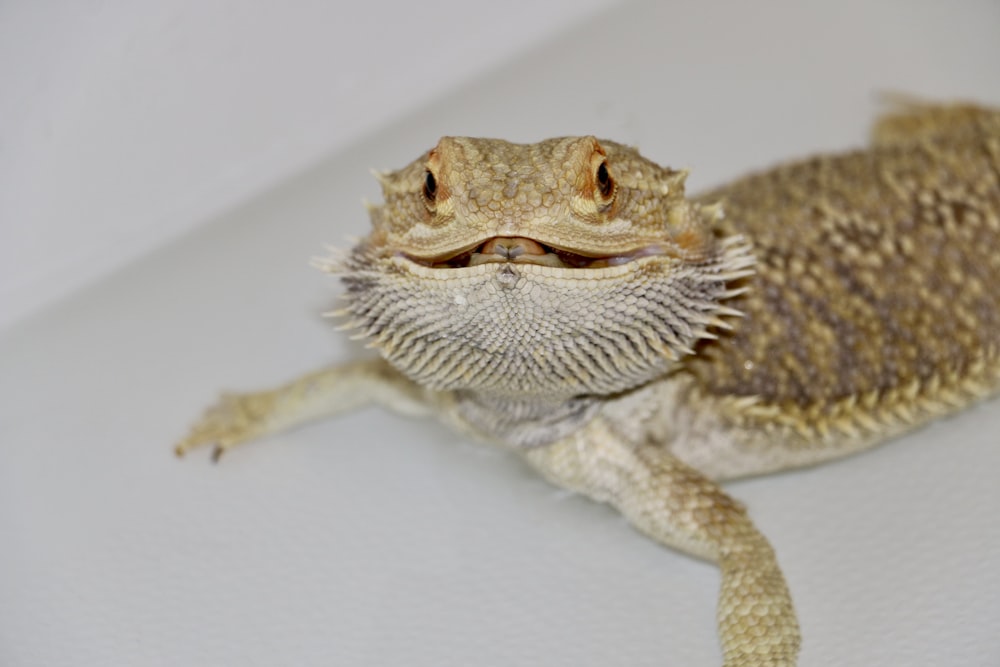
233, 419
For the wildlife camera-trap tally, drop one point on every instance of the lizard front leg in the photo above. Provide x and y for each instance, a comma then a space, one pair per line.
237, 418
679, 507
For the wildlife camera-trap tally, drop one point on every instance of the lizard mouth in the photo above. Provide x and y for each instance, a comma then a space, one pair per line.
522, 250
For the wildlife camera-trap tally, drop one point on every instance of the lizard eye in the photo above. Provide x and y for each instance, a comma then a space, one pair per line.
605, 184
430, 187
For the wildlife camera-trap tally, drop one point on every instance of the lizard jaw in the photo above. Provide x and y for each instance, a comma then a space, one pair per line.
524, 250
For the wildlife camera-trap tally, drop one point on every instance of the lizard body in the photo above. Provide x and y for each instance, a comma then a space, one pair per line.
873, 307
565, 299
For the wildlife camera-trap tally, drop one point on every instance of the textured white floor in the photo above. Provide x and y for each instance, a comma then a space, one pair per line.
372, 540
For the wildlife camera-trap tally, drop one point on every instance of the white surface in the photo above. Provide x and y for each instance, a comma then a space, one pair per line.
123, 124
372, 540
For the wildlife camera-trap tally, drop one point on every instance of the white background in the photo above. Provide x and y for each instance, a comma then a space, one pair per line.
124, 124
371, 540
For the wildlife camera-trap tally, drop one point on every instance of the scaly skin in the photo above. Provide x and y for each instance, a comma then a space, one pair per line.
566, 300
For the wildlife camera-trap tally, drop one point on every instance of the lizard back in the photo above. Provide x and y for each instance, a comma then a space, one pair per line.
878, 280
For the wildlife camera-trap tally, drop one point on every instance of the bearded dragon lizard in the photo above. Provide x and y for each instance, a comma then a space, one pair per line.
567, 300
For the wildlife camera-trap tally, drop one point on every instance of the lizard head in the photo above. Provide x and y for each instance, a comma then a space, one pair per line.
563, 268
